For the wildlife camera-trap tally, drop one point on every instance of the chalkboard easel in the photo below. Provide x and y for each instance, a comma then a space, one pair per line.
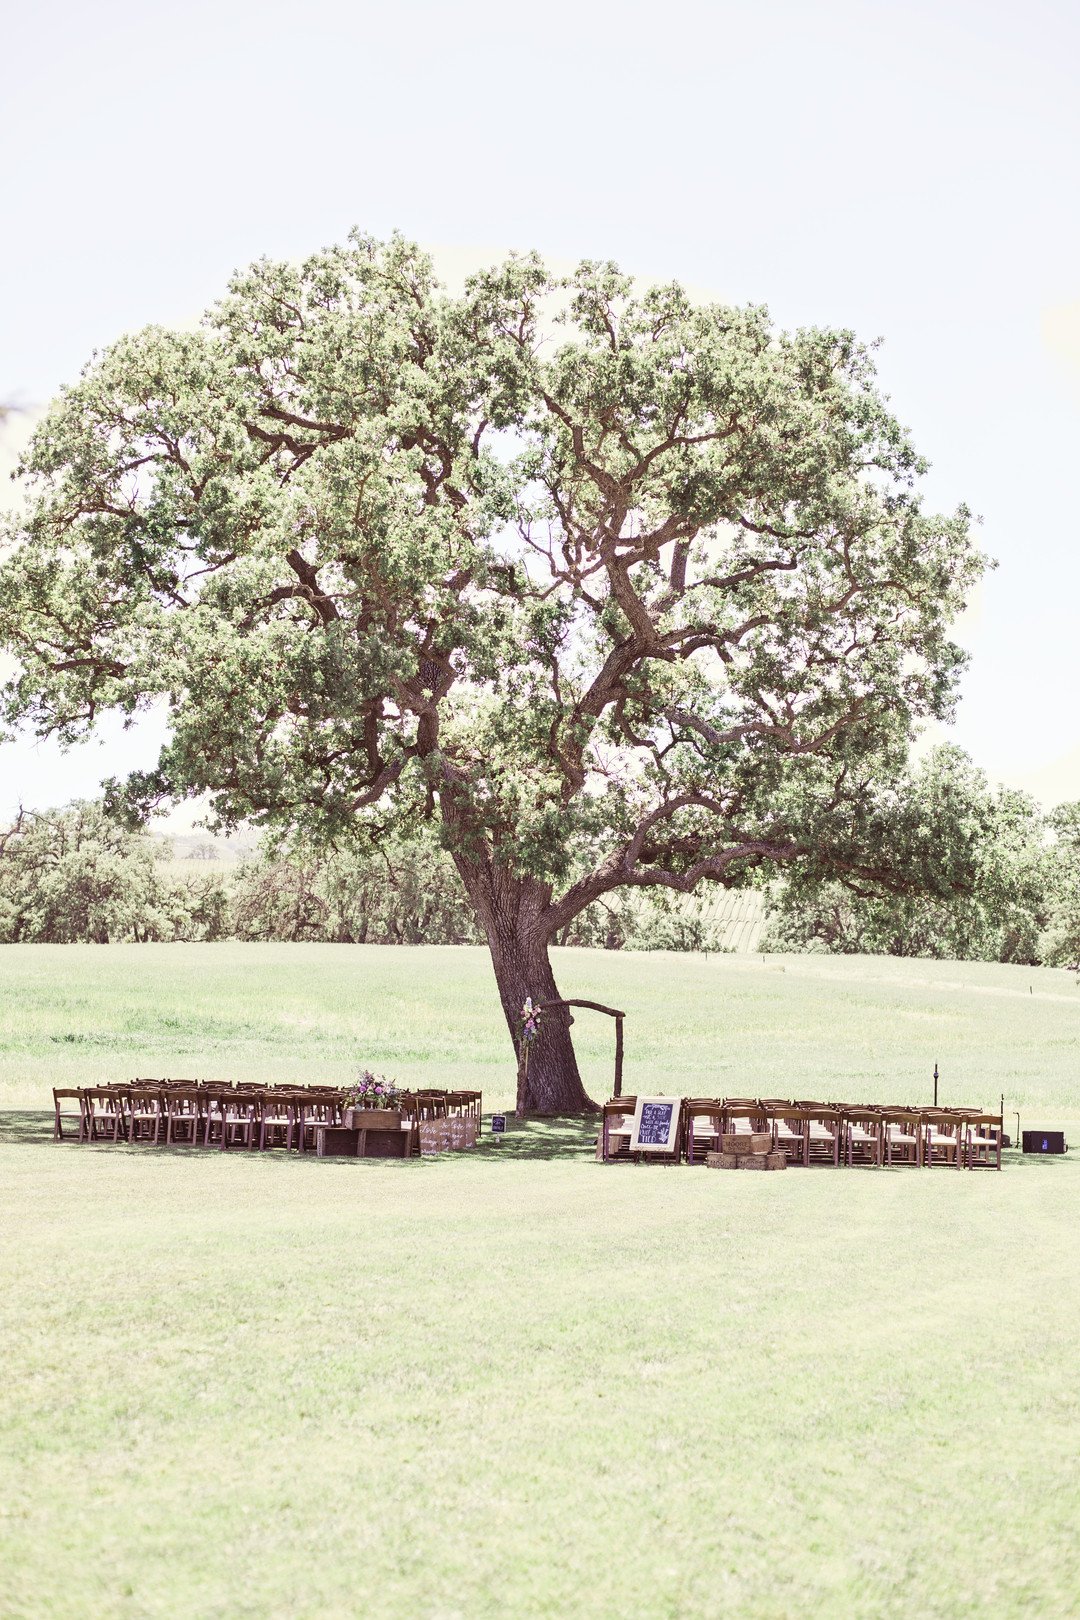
657, 1127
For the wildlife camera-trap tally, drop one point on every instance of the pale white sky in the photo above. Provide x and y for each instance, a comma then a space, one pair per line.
907, 169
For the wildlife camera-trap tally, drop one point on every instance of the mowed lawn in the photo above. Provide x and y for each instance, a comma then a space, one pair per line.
515, 1382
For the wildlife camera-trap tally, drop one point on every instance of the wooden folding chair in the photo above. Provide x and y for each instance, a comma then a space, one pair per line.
276, 1116
476, 1104
980, 1142
102, 1119
824, 1134
314, 1109
863, 1142
941, 1138
902, 1134
183, 1116
240, 1122
616, 1129
62, 1094
704, 1118
145, 1109
410, 1120
743, 1114
790, 1127
213, 1101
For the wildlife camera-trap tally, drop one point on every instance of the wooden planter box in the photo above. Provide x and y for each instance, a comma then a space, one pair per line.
373, 1119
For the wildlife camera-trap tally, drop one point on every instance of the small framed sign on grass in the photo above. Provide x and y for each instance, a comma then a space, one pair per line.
656, 1124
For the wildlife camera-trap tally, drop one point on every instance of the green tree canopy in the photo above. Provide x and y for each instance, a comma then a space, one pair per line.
977, 864
638, 594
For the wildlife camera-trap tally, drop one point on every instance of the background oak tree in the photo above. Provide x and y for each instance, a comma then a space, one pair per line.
615, 590
77, 875
980, 879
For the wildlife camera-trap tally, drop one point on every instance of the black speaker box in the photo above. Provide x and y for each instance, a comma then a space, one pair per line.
1044, 1142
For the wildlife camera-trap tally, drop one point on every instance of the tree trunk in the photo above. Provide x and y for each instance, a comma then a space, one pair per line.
508, 908
549, 1081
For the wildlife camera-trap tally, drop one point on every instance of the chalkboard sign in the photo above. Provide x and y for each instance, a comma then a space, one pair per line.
498, 1124
656, 1124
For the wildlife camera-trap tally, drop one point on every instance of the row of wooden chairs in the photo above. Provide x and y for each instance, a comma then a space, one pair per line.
811, 1132
194, 1113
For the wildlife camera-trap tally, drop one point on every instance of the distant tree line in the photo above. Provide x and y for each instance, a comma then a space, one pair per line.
1001, 882
409, 893
78, 875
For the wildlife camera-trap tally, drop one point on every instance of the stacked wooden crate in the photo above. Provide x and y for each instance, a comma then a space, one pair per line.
747, 1150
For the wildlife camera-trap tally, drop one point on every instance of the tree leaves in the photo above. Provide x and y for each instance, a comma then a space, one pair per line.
615, 588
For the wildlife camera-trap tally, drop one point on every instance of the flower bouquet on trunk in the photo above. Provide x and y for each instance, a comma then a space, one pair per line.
372, 1103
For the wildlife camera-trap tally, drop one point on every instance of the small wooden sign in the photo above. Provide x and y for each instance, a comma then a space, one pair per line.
498, 1124
656, 1124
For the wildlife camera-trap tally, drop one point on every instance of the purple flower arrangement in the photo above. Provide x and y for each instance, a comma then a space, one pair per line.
530, 1021
372, 1091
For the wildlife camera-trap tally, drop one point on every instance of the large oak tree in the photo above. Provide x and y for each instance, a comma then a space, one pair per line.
616, 589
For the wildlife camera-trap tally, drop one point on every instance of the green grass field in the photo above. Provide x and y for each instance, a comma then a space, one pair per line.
515, 1382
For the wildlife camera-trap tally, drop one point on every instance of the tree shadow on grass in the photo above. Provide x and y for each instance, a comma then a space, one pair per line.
1012, 1158
568, 1139
33, 1127
527, 1139
573, 1138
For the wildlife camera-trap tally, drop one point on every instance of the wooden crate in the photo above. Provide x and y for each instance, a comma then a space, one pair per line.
373, 1119
722, 1161
338, 1141
746, 1142
753, 1161
776, 1160
385, 1144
